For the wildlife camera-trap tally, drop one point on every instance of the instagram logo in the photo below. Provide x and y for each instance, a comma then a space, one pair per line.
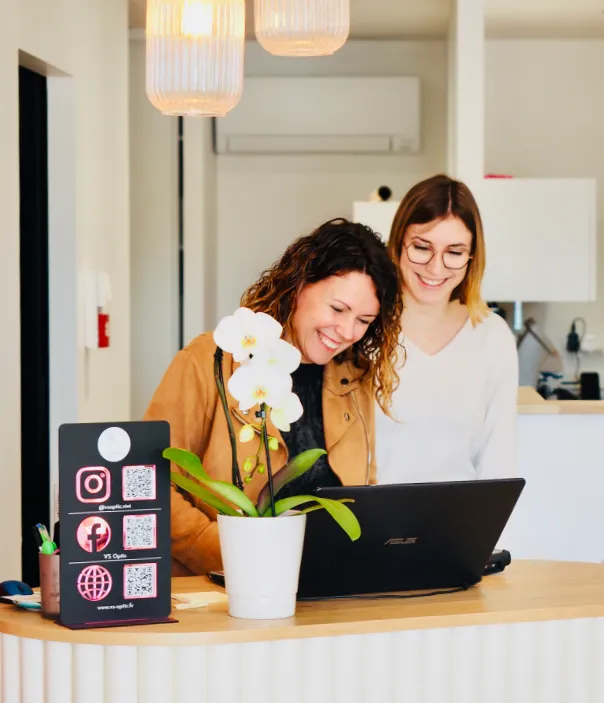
93, 484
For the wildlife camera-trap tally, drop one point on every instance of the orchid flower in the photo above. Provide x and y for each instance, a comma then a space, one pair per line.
246, 332
255, 384
280, 355
288, 410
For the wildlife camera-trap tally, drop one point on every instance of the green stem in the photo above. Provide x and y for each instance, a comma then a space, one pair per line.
235, 473
267, 451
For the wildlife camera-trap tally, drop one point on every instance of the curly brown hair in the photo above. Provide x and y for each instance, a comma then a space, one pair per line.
336, 248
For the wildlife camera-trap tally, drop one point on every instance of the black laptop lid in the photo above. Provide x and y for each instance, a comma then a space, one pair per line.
413, 536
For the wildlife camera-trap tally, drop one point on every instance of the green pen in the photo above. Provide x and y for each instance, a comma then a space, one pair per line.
48, 547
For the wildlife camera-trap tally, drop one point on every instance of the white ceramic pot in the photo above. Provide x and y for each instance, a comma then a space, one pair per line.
261, 560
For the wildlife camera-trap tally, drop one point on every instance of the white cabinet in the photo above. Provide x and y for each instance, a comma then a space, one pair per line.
378, 216
540, 235
541, 238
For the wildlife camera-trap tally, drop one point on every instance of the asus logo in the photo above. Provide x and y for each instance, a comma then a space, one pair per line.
401, 540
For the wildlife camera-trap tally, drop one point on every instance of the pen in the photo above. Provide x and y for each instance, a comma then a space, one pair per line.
43, 532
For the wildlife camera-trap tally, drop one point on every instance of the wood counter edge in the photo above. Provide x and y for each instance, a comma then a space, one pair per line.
536, 591
289, 631
531, 403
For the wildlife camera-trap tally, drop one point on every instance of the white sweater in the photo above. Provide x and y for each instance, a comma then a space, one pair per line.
457, 410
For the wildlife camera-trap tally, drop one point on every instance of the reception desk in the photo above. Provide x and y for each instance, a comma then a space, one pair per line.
534, 633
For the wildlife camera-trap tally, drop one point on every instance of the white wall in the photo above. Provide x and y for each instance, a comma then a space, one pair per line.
200, 235
544, 118
154, 233
154, 236
87, 44
265, 202
10, 425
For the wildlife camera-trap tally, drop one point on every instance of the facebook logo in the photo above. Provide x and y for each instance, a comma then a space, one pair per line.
93, 534
93, 537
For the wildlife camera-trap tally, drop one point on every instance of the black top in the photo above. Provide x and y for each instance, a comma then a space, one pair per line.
307, 433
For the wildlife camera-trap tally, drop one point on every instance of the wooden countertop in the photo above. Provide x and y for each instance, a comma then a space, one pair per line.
531, 403
526, 591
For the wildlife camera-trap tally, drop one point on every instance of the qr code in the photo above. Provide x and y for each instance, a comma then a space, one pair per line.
140, 581
140, 531
138, 483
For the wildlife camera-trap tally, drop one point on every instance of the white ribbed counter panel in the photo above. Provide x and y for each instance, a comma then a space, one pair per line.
536, 662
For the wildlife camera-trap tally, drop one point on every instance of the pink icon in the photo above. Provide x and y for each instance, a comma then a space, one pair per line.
93, 534
93, 484
94, 582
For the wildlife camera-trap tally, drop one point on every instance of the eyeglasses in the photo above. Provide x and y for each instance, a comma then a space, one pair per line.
419, 253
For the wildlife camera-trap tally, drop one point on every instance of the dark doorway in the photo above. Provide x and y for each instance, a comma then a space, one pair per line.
35, 440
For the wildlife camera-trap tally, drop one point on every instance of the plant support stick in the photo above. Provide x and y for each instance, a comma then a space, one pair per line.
267, 452
235, 474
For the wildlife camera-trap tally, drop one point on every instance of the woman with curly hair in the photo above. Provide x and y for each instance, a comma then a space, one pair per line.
337, 294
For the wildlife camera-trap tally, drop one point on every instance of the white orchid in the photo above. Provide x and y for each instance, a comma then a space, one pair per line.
255, 384
287, 411
281, 355
246, 332
254, 340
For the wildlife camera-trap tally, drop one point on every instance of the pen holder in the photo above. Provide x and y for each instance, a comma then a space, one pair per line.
50, 593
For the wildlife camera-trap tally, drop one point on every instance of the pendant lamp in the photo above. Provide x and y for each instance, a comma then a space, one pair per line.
302, 27
194, 56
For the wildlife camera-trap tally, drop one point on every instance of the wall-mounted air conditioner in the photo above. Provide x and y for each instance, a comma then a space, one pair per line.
289, 115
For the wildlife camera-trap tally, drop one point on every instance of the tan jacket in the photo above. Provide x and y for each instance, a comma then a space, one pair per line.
188, 399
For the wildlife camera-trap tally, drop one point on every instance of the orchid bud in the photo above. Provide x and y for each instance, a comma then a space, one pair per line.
248, 479
246, 433
273, 444
249, 464
261, 468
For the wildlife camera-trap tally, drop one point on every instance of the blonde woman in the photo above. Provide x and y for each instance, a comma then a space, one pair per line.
455, 407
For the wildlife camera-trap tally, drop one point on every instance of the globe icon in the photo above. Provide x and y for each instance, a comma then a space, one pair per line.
94, 583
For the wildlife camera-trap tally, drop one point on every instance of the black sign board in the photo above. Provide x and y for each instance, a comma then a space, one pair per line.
114, 492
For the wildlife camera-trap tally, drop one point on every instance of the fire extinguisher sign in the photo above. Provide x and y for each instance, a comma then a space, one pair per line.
103, 330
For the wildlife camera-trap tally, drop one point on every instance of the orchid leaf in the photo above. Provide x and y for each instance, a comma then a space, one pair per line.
313, 508
345, 518
191, 464
189, 461
203, 494
295, 467
233, 494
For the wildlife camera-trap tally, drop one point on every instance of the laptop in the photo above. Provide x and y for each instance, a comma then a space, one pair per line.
413, 536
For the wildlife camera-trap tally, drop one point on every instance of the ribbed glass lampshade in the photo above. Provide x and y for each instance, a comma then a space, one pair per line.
195, 52
302, 27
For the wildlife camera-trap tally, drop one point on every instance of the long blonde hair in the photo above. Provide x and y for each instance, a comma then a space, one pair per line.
436, 198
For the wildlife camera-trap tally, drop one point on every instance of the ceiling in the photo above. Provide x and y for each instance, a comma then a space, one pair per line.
405, 19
